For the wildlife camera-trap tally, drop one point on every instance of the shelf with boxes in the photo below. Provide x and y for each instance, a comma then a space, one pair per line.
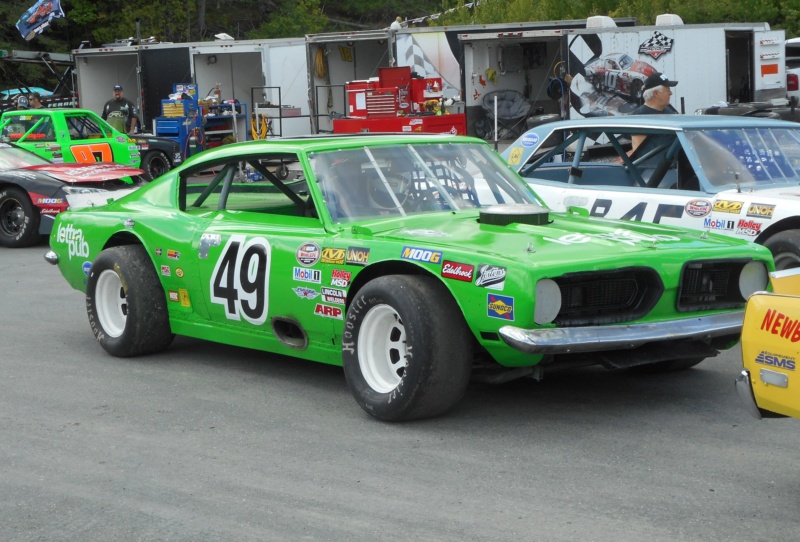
224, 123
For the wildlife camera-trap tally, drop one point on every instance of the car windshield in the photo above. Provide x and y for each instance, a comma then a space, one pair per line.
414, 179
752, 156
15, 158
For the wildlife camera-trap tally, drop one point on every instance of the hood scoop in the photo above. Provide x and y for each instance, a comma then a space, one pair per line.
503, 215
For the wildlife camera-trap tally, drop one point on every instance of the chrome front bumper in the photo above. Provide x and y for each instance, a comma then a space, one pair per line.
744, 388
569, 340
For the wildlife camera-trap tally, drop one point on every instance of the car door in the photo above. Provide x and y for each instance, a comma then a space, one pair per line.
84, 138
261, 259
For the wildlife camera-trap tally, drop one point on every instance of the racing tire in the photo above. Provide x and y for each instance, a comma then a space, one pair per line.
155, 164
406, 349
19, 219
126, 304
667, 366
785, 248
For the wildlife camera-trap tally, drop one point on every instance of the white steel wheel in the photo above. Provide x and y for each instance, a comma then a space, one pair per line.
406, 349
126, 304
112, 303
382, 343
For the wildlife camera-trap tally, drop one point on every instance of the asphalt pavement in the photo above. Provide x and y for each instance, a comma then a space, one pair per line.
206, 442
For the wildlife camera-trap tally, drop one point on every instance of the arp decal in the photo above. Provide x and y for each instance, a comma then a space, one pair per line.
357, 256
698, 208
500, 306
491, 276
308, 254
458, 271
333, 255
328, 311
726, 206
240, 278
421, 255
760, 210
93, 152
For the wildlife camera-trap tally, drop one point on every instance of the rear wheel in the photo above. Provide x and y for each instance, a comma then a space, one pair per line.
785, 248
19, 219
407, 352
155, 164
126, 304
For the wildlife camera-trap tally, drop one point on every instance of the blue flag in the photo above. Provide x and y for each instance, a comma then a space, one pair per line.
38, 17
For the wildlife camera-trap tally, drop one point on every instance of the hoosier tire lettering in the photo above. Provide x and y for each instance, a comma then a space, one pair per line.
406, 349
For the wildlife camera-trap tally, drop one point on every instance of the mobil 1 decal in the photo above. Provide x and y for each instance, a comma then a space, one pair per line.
240, 278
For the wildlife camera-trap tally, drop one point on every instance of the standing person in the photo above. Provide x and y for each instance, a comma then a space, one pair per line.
35, 100
121, 112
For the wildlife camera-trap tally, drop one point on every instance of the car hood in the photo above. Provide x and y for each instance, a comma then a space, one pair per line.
86, 173
572, 238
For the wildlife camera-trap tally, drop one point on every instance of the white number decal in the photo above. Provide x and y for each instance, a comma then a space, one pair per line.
241, 277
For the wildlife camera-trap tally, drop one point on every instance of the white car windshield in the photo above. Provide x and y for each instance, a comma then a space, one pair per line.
414, 179
753, 156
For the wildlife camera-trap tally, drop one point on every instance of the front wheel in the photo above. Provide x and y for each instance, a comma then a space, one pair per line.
155, 164
406, 349
785, 248
126, 304
19, 219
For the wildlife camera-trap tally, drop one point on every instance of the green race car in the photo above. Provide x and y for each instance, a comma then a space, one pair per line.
82, 136
415, 261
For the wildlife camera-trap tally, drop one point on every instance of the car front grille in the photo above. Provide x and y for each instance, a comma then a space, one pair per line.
609, 296
711, 285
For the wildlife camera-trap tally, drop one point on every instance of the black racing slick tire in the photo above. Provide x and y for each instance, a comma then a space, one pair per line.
406, 349
19, 219
155, 164
785, 248
126, 304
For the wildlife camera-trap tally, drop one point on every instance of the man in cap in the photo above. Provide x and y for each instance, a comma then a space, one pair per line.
656, 94
121, 112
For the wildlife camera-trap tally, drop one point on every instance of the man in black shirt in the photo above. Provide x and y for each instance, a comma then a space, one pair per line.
120, 112
656, 94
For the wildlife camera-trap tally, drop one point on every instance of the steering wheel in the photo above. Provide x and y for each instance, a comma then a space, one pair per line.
400, 186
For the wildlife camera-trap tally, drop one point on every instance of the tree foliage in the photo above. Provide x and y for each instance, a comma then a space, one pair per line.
98, 22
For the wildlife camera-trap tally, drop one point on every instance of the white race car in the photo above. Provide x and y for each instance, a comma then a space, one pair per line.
736, 176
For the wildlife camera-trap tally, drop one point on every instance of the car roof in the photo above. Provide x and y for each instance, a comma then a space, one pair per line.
670, 122
326, 142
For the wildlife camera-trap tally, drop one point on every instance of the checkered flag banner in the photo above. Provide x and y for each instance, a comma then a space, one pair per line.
657, 45
416, 59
